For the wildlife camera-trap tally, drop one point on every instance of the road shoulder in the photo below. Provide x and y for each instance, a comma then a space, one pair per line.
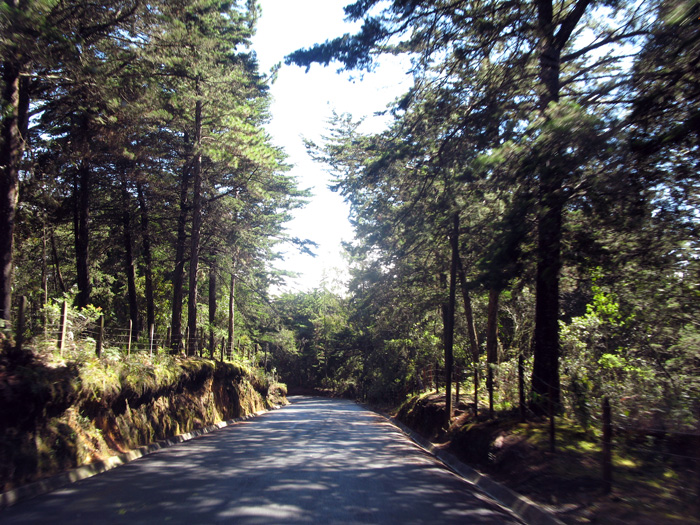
524, 508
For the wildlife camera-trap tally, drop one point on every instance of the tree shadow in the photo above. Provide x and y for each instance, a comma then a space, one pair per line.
316, 461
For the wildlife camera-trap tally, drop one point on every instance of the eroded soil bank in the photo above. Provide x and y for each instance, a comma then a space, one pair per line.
54, 418
647, 489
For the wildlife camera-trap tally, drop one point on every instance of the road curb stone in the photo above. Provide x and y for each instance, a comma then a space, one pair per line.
526, 509
44, 486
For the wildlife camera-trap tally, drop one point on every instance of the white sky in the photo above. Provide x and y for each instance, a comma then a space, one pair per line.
302, 105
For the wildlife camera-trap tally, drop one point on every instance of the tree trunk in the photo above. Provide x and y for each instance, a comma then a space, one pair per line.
129, 266
179, 270
81, 226
212, 307
231, 306
147, 257
545, 373
471, 332
492, 343
469, 313
196, 227
10, 157
57, 264
450, 319
44, 266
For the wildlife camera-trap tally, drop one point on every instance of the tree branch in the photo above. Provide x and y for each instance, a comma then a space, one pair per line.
569, 24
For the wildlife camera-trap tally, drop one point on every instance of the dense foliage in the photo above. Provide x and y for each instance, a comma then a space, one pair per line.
135, 164
555, 144
70, 407
533, 205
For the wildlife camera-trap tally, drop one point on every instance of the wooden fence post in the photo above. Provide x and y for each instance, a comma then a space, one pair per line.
153, 327
62, 331
100, 336
552, 428
456, 387
489, 387
19, 337
521, 385
697, 460
128, 346
476, 388
607, 447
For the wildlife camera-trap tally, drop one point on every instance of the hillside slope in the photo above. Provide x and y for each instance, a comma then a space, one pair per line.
59, 414
647, 489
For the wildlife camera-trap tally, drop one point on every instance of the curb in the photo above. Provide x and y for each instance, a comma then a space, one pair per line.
524, 508
37, 488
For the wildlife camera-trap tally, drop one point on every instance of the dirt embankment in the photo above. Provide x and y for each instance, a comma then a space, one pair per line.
51, 422
646, 488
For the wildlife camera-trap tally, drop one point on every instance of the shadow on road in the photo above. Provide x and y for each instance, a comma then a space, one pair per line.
316, 461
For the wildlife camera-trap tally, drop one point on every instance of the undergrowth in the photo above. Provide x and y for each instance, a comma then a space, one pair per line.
63, 409
654, 477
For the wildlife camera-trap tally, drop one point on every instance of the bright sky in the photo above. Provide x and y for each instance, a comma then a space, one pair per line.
302, 105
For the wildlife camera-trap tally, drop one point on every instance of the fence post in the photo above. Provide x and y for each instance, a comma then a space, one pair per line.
153, 327
521, 385
489, 387
476, 389
456, 387
697, 460
607, 447
552, 428
19, 338
100, 335
128, 346
62, 331
223, 345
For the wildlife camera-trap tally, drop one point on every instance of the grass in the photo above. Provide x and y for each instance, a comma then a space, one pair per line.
70, 408
648, 488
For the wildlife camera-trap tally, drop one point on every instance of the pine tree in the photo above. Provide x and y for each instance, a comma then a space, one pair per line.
530, 60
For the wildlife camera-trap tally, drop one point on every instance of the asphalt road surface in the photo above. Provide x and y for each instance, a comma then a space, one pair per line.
317, 461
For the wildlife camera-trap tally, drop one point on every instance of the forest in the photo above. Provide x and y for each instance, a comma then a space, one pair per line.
534, 206
136, 164
526, 230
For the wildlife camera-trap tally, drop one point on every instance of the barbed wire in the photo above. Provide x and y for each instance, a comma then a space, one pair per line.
631, 429
663, 453
428, 372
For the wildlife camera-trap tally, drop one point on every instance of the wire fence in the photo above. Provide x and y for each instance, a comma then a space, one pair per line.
664, 443
656, 439
59, 326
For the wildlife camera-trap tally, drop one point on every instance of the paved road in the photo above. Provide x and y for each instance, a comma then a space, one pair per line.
316, 461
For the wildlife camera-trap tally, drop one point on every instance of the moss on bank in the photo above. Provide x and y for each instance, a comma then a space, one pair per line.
648, 487
58, 413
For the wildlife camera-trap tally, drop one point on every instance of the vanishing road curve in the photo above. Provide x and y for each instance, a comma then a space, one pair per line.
317, 461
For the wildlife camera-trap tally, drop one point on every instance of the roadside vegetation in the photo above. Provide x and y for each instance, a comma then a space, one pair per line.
651, 475
63, 409
654, 444
527, 232
142, 205
526, 236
